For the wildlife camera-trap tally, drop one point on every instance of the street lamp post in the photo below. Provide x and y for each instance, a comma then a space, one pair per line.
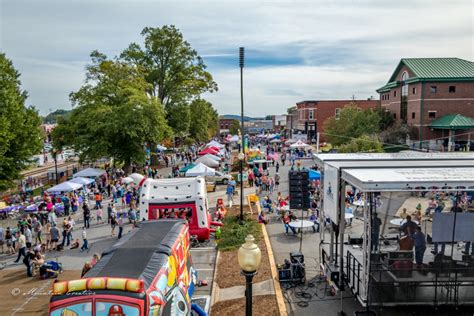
55, 158
241, 155
249, 257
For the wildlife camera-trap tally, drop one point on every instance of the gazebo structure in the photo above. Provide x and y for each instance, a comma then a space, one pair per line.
453, 122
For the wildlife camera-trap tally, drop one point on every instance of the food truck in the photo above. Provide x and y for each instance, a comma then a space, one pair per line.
147, 272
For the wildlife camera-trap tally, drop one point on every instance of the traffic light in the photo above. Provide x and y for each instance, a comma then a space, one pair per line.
299, 189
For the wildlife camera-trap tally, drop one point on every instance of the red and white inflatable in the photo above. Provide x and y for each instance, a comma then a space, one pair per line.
176, 198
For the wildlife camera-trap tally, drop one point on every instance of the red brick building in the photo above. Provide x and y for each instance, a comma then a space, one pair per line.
224, 125
422, 90
310, 115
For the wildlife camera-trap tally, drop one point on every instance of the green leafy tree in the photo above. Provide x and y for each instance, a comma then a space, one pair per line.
352, 122
234, 127
362, 144
113, 115
55, 116
20, 133
204, 120
174, 70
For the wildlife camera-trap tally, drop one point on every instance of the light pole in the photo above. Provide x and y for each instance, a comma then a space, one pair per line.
55, 157
249, 257
241, 154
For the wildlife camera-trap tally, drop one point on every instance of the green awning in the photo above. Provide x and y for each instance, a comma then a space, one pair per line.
453, 121
184, 169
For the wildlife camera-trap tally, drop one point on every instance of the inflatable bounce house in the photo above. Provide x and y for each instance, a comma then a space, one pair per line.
184, 198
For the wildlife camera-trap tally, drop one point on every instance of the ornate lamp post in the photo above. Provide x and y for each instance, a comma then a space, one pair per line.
249, 261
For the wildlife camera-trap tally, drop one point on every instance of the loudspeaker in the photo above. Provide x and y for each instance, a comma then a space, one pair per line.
334, 277
296, 257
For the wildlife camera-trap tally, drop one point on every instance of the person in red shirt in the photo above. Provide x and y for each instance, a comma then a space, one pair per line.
286, 221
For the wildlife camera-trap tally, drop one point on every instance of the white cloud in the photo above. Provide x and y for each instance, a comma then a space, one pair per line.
335, 48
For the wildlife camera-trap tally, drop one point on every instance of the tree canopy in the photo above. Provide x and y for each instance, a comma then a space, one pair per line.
20, 133
204, 120
234, 127
55, 116
352, 122
113, 115
175, 72
362, 144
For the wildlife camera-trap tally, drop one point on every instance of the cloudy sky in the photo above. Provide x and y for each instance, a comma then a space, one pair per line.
295, 50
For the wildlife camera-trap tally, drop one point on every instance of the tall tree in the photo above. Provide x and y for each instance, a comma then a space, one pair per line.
234, 127
204, 120
352, 122
174, 70
113, 114
20, 133
362, 144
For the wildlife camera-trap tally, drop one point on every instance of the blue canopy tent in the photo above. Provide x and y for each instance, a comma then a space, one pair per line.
314, 175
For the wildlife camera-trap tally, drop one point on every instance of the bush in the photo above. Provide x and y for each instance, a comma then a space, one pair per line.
233, 234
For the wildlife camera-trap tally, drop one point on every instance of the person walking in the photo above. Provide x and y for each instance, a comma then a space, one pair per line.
230, 194
277, 167
109, 213
21, 240
28, 236
54, 232
85, 245
87, 215
113, 223
37, 229
376, 223
420, 245
120, 225
2, 238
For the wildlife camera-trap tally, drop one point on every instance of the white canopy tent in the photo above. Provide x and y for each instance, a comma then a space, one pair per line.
276, 140
213, 157
290, 141
200, 170
234, 138
161, 148
299, 144
208, 161
89, 173
82, 180
213, 143
65, 187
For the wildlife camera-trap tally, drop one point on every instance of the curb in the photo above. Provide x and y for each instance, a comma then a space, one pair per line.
276, 283
215, 287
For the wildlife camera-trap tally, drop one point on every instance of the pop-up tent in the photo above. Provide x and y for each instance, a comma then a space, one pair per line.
161, 148
213, 157
208, 161
314, 175
127, 180
89, 173
65, 187
186, 168
200, 170
81, 180
213, 143
299, 144
208, 150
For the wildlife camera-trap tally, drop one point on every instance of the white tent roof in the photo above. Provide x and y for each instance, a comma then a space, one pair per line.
213, 157
234, 138
213, 143
200, 170
160, 147
81, 180
409, 179
276, 140
299, 144
89, 173
208, 161
65, 187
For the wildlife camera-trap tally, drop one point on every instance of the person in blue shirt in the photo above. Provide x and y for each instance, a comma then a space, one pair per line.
313, 218
420, 245
230, 194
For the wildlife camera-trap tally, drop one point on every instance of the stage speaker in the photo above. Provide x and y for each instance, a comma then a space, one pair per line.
296, 257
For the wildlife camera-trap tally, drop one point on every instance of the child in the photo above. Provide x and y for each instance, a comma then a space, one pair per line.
99, 216
75, 244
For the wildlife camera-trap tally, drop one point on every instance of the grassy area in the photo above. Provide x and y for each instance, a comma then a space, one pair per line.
233, 234
395, 148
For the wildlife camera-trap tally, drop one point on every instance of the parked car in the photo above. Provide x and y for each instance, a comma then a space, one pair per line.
219, 178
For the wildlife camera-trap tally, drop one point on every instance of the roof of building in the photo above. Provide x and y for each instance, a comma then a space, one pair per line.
433, 69
316, 102
453, 121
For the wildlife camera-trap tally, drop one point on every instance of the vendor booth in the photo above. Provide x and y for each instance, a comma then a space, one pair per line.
89, 173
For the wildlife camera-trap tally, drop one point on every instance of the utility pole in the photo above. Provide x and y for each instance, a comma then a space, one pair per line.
241, 154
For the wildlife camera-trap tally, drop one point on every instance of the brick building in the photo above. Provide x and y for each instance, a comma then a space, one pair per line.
310, 115
224, 125
422, 90
279, 122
